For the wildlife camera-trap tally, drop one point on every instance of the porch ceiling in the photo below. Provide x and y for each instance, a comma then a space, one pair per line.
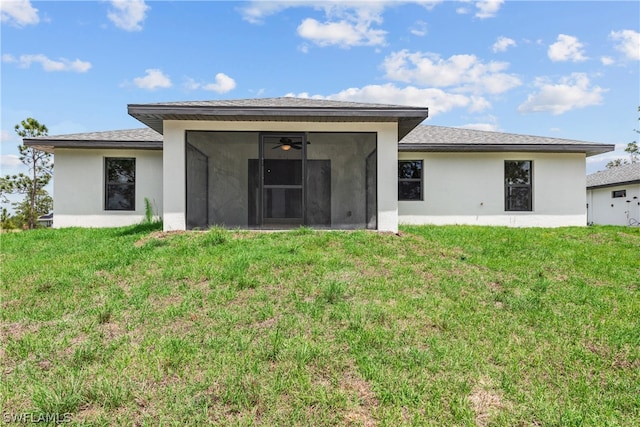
281, 110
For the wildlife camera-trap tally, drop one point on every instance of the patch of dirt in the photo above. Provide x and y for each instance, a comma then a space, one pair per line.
362, 414
111, 330
495, 286
75, 342
17, 330
485, 401
266, 324
45, 364
87, 413
244, 234
620, 360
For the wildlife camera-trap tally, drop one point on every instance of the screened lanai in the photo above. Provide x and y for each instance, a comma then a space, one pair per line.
279, 180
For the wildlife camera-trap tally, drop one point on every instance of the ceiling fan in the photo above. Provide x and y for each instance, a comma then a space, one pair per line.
287, 144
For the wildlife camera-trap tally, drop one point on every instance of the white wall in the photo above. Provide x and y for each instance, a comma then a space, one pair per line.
79, 187
606, 210
468, 188
174, 161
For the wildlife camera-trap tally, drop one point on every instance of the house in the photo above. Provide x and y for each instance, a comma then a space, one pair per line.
46, 220
278, 163
613, 196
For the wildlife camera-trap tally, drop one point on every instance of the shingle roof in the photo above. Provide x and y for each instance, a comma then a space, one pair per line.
281, 102
422, 138
144, 138
440, 138
141, 134
625, 174
279, 109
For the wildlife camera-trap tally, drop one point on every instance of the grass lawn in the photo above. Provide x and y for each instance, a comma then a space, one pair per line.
436, 326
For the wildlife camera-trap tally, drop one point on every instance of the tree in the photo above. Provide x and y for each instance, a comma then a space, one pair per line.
8, 222
39, 163
633, 150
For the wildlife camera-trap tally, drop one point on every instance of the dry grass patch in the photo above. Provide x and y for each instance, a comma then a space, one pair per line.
158, 236
367, 403
486, 401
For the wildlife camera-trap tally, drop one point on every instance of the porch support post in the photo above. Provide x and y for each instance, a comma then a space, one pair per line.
174, 177
388, 178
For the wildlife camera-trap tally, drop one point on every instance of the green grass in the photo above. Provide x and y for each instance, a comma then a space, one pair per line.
436, 326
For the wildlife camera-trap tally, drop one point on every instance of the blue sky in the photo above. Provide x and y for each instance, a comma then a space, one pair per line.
561, 69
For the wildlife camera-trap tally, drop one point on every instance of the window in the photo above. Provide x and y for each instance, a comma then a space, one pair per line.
120, 184
410, 180
517, 185
618, 193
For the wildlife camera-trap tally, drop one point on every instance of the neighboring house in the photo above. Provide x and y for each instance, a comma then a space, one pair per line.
286, 162
613, 196
46, 220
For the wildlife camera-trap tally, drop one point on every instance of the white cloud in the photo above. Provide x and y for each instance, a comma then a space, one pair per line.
567, 48
6, 136
10, 161
347, 23
628, 43
128, 14
574, 91
18, 12
62, 64
304, 48
488, 8
607, 60
256, 11
341, 33
191, 84
428, 4
502, 44
437, 100
465, 73
222, 84
485, 8
419, 29
154, 79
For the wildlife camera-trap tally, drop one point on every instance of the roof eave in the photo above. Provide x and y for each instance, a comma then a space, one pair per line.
49, 145
588, 149
613, 184
154, 115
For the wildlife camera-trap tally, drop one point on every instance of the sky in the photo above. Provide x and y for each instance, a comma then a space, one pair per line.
565, 69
